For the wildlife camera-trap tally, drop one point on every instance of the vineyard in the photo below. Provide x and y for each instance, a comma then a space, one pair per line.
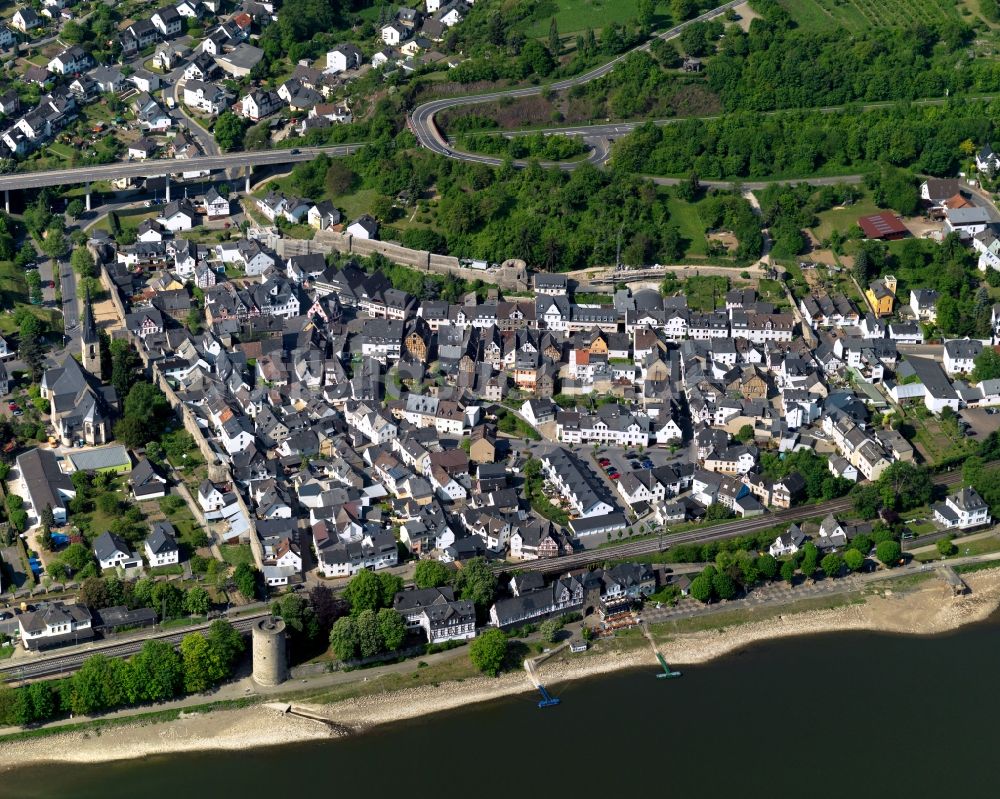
858, 15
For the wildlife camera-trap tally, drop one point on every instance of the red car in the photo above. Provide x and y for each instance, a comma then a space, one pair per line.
12, 406
614, 476
604, 462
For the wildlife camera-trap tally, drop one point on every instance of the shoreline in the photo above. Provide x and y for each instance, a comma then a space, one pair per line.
927, 609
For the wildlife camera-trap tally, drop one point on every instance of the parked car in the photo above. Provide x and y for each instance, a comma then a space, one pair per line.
12, 406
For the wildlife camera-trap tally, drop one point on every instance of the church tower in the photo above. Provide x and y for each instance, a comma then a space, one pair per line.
89, 340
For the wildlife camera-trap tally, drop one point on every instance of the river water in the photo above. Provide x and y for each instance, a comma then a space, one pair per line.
847, 715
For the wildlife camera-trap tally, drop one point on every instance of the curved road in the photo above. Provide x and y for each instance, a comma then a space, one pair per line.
427, 133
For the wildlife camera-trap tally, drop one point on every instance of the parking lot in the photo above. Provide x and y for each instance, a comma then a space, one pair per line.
657, 456
981, 420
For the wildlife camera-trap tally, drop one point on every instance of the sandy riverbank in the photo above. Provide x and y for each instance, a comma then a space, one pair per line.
925, 610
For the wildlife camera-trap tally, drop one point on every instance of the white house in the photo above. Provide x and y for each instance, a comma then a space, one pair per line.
216, 206
112, 552
177, 215
787, 543
960, 355
343, 57
70, 61
161, 546
963, 510
55, 623
394, 33
205, 97
25, 19
167, 21
987, 161
364, 227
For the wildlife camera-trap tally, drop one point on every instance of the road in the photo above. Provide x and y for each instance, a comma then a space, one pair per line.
155, 167
702, 535
422, 119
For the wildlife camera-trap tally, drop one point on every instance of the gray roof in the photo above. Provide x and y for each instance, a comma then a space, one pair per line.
92, 460
162, 539
107, 545
932, 376
40, 472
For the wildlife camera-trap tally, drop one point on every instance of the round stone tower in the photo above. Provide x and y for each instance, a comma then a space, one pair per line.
269, 663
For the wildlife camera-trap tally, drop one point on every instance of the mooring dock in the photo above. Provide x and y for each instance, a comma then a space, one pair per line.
667, 673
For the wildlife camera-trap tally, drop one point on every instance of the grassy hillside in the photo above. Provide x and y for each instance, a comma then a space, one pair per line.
856, 15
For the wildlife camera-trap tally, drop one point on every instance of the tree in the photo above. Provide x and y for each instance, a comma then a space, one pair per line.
788, 571
168, 600
867, 500
647, 10
701, 588
889, 552
987, 365
125, 365
555, 45
369, 634
339, 178
226, 642
550, 630
326, 606
431, 574
477, 583
158, 671
30, 346
34, 282
90, 684
945, 546
344, 638
832, 564
682, 9
94, 593
75, 208
54, 243
43, 700
197, 602
745, 434
767, 566
903, 486
853, 559
229, 130
488, 651
245, 577
203, 665
363, 592
810, 559
389, 585
392, 628
723, 585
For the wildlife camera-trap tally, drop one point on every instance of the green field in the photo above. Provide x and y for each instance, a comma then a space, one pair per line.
706, 292
573, 16
858, 15
685, 216
844, 218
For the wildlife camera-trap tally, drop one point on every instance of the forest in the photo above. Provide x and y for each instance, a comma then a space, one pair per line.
802, 144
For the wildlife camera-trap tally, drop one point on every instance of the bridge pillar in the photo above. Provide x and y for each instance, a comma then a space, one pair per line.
87, 205
167, 187
6, 200
249, 172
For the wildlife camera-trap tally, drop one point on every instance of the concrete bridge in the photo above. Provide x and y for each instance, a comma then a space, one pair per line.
164, 167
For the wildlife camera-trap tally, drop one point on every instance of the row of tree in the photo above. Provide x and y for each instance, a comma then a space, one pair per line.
156, 673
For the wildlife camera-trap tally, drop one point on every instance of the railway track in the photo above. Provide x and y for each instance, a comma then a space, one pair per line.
717, 532
66, 664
